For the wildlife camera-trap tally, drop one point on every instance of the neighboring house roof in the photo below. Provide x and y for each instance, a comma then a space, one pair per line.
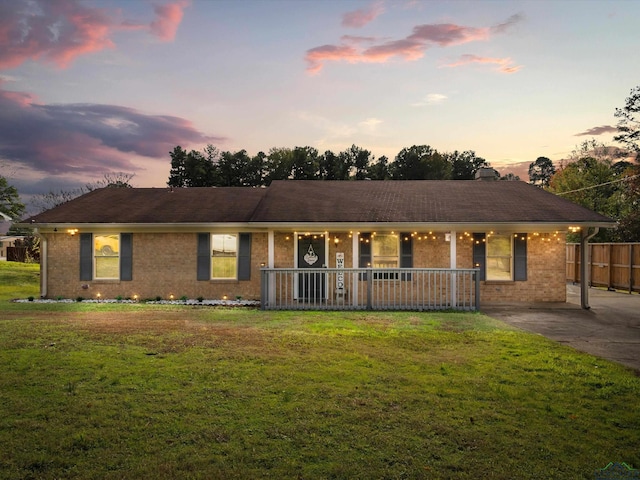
329, 202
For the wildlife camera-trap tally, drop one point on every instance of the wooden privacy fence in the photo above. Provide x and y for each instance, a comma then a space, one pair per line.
612, 265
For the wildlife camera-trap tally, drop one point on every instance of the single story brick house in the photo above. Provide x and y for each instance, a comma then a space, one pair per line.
299, 239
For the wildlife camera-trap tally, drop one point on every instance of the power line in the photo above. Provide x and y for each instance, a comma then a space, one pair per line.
625, 179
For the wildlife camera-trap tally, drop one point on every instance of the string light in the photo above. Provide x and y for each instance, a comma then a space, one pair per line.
431, 236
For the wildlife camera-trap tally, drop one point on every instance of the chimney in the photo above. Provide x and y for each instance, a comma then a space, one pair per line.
486, 173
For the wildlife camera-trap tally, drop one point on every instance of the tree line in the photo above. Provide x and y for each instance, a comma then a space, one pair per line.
602, 178
214, 168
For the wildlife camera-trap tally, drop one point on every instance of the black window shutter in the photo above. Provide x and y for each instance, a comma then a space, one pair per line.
406, 253
126, 257
365, 250
520, 257
406, 250
86, 256
204, 256
244, 257
365, 254
479, 253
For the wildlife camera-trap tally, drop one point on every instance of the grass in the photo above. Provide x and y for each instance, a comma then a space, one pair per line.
104, 391
19, 280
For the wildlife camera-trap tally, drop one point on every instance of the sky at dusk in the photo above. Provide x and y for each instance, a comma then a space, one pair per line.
101, 86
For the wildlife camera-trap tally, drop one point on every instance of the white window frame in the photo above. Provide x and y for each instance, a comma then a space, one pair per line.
95, 256
235, 274
373, 239
489, 259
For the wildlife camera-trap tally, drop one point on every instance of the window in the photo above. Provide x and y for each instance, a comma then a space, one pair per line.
223, 256
106, 256
499, 257
224, 262
385, 251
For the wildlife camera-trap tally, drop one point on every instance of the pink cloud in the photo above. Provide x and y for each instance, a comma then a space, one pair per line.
168, 19
409, 48
67, 138
505, 65
359, 18
54, 31
406, 48
318, 55
60, 31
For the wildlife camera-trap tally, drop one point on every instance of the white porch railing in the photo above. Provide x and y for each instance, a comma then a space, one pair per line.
369, 289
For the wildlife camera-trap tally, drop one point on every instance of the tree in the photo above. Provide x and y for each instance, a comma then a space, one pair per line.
11, 208
343, 166
45, 201
464, 165
628, 123
257, 170
357, 159
193, 169
199, 170
380, 169
629, 187
279, 163
593, 180
112, 180
541, 171
420, 162
178, 174
510, 177
305, 163
327, 165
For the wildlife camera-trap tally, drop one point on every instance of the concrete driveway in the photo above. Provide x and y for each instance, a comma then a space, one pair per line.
610, 329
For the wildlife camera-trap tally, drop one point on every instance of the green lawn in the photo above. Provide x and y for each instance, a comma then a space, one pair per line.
143, 391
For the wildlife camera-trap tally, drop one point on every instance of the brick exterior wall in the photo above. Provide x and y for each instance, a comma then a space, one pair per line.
165, 264
546, 261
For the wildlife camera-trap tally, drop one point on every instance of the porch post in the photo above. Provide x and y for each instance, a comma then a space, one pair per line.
585, 269
271, 262
355, 263
271, 255
44, 265
453, 264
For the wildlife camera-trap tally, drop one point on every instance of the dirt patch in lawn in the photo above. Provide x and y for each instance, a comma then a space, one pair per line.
164, 331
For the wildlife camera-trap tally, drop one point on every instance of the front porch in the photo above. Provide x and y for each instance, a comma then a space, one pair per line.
369, 289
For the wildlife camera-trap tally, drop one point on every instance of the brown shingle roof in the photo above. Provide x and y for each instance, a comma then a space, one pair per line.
419, 201
157, 205
448, 201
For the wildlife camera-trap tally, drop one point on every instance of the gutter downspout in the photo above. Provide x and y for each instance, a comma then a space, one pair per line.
43, 263
584, 266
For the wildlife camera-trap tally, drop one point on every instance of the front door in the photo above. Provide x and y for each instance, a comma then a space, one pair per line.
311, 254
